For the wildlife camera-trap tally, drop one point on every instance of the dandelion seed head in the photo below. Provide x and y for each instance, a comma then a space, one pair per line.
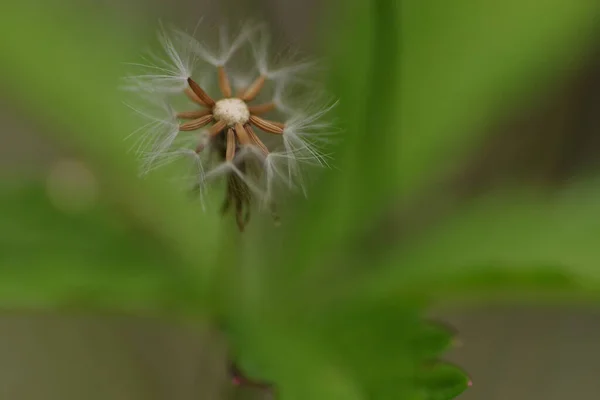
232, 113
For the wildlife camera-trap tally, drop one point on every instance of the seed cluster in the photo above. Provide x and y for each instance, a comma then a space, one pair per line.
225, 146
232, 120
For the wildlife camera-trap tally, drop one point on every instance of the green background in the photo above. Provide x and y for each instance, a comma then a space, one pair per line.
332, 304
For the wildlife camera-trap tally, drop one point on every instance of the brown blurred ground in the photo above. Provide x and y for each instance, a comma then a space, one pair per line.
511, 353
529, 353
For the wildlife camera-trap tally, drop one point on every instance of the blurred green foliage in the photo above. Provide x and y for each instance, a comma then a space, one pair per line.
417, 81
97, 259
522, 240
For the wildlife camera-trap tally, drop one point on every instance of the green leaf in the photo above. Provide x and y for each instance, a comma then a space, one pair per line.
53, 257
432, 339
510, 241
462, 64
363, 349
298, 364
465, 62
442, 381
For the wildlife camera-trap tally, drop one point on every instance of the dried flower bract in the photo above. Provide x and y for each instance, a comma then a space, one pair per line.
243, 120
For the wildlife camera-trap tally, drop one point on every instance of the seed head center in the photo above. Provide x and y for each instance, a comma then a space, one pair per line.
231, 111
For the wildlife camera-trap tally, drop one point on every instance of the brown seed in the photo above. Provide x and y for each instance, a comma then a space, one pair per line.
238, 195
256, 140
192, 96
192, 114
242, 135
254, 89
230, 152
261, 108
224, 84
265, 125
196, 124
202, 95
216, 128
